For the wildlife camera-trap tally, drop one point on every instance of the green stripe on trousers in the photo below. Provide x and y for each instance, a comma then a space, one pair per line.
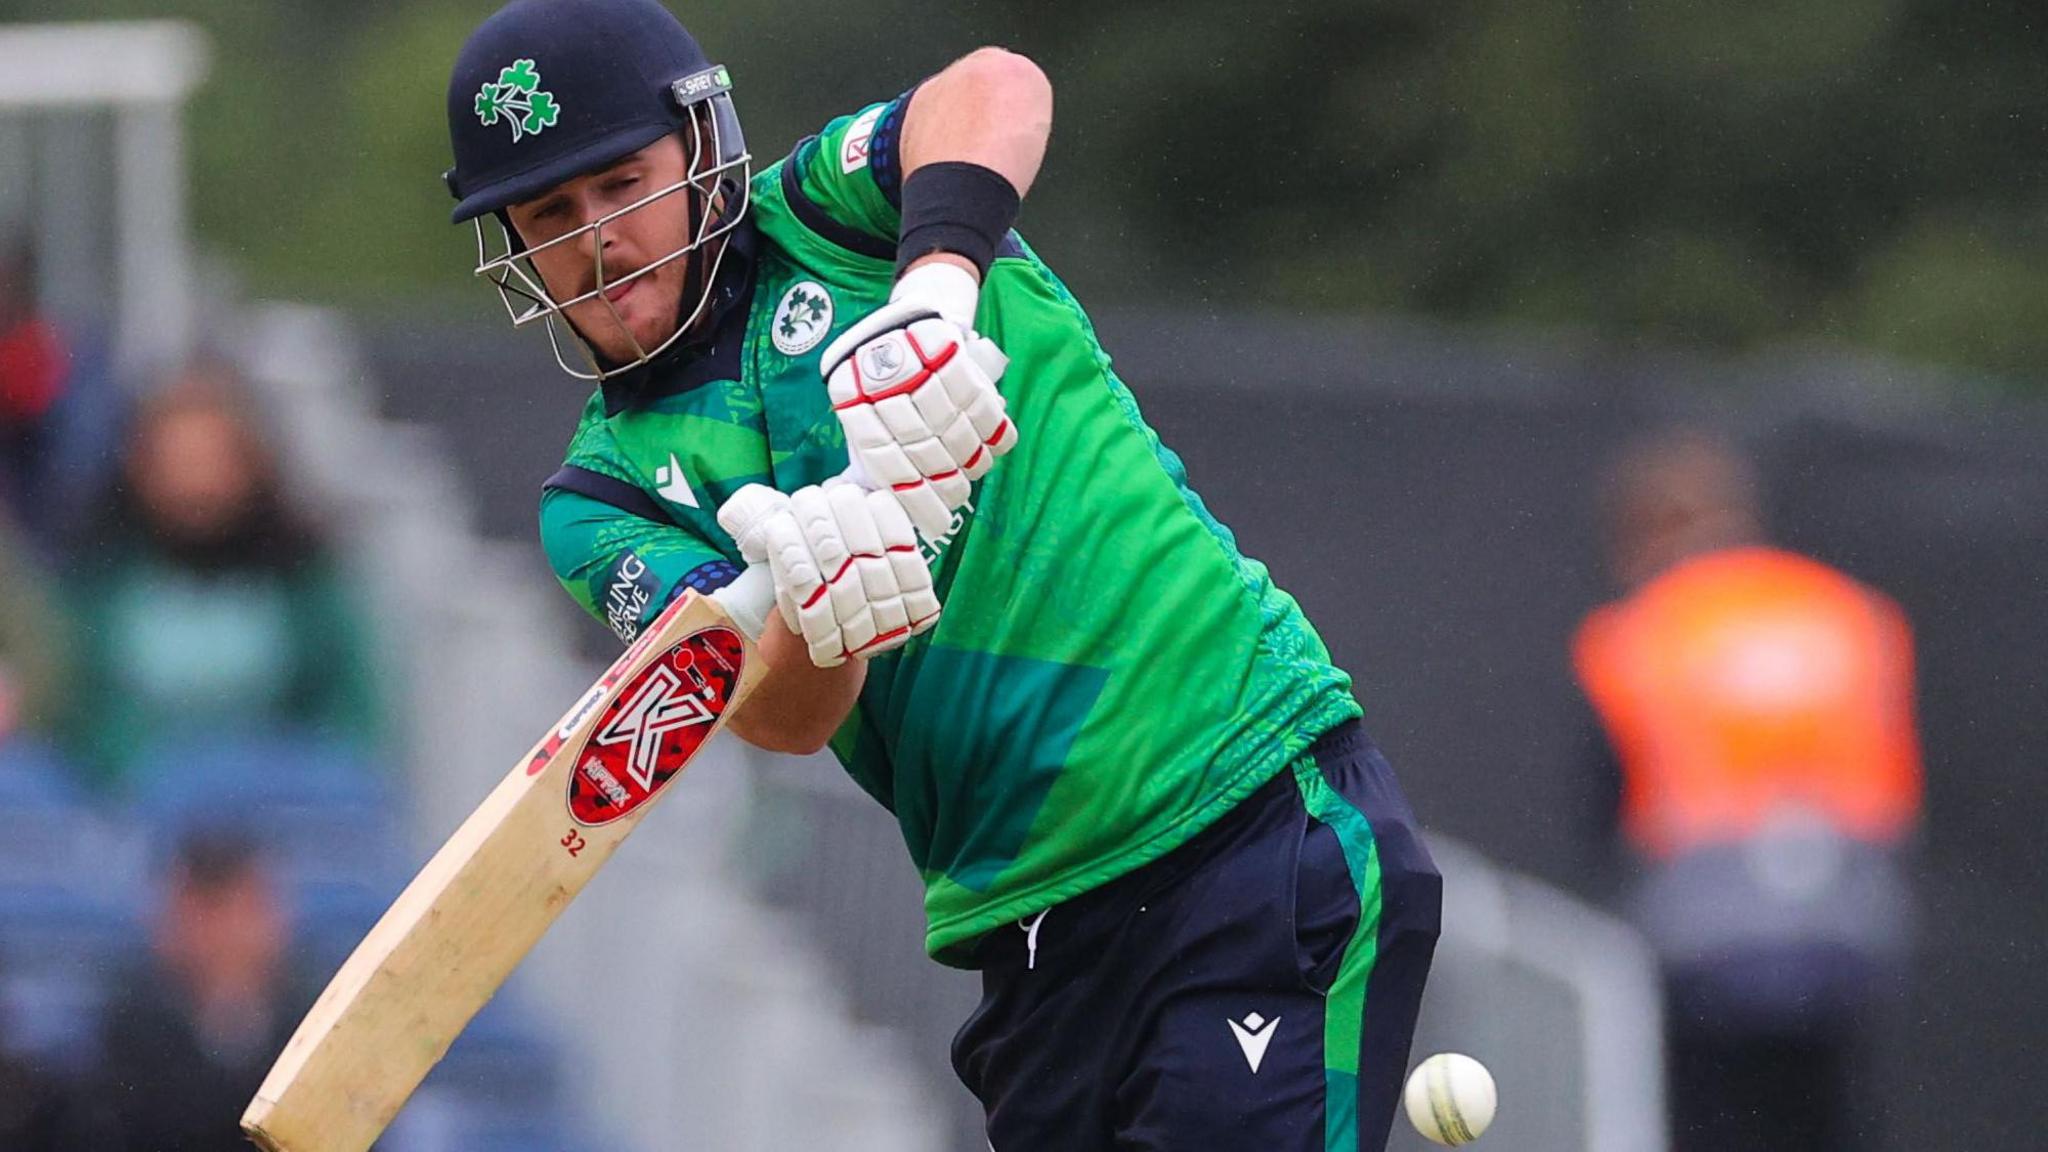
1344, 1006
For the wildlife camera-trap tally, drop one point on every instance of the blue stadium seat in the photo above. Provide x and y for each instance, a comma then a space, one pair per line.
34, 774
326, 816
60, 950
53, 837
200, 778
47, 920
69, 906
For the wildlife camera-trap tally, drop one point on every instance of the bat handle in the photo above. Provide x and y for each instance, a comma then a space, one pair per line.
749, 599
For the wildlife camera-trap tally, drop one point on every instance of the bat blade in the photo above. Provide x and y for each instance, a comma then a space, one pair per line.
486, 897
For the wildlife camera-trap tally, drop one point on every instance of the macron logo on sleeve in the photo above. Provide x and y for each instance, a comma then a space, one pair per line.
672, 485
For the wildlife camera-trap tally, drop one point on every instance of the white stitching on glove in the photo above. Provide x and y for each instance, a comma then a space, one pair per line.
915, 390
848, 574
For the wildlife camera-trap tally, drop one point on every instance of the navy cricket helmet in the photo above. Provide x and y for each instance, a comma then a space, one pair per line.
548, 90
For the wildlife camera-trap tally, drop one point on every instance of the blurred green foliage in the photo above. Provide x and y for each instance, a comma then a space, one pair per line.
1867, 171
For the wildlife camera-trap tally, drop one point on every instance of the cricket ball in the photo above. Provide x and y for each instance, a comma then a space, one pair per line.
1450, 1099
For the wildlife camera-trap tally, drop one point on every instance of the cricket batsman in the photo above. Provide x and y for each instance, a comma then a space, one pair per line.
1135, 787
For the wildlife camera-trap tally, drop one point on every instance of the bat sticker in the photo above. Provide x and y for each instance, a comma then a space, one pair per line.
654, 726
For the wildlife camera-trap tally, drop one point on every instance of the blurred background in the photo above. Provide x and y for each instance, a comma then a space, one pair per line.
275, 616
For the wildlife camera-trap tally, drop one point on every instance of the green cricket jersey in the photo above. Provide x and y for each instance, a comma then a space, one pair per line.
1110, 673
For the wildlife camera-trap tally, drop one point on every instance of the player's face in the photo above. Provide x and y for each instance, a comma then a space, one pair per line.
626, 319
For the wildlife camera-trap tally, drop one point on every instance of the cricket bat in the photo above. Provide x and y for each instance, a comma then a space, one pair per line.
485, 898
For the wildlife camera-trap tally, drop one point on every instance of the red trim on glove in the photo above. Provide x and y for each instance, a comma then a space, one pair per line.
836, 577
893, 633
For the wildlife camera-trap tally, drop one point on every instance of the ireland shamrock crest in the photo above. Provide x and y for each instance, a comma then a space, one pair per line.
802, 319
517, 98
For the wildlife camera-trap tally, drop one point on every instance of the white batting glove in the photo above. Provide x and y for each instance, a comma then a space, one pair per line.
915, 389
848, 575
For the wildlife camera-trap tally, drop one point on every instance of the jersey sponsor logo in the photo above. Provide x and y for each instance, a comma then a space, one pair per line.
854, 146
671, 485
627, 593
518, 99
933, 551
1253, 1035
802, 319
654, 726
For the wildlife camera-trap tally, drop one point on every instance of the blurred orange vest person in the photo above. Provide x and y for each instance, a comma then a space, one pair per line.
1747, 685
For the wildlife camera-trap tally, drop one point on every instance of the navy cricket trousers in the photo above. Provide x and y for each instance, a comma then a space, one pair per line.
1255, 988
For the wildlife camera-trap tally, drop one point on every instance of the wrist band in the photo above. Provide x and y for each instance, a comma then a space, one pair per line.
958, 207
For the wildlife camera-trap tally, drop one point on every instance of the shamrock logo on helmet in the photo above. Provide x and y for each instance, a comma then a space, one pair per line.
517, 97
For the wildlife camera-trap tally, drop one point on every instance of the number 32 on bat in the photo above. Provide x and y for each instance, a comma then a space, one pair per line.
574, 842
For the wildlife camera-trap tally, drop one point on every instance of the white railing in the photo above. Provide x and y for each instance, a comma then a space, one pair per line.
138, 73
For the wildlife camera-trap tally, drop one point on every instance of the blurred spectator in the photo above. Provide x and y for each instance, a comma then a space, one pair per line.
1757, 714
191, 1037
31, 664
35, 365
207, 605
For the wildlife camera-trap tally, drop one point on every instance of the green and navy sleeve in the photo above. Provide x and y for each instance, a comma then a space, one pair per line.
621, 567
851, 173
